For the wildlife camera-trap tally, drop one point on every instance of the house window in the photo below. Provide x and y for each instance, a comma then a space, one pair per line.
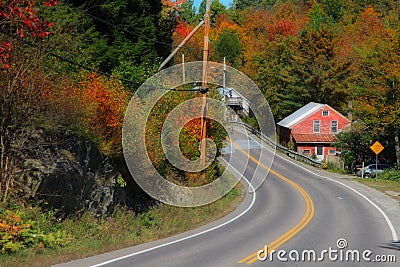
306, 152
325, 113
334, 127
332, 152
317, 126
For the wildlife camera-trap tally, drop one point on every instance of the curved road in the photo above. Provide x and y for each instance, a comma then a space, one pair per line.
294, 211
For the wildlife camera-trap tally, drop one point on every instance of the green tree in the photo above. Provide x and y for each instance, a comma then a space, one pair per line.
134, 31
76, 39
354, 144
244, 4
187, 12
216, 8
276, 77
228, 46
335, 9
320, 77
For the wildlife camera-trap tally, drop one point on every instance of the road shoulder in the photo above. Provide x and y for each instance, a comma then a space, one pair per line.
242, 207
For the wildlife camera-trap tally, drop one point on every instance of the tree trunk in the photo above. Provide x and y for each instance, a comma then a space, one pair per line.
7, 180
396, 126
397, 146
2, 161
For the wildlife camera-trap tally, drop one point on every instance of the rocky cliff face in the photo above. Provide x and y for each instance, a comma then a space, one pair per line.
68, 172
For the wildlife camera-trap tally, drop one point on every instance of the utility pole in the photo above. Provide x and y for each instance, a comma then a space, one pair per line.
183, 69
205, 89
224, 76
180, 45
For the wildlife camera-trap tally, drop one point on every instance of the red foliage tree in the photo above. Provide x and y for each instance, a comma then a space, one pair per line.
22, 18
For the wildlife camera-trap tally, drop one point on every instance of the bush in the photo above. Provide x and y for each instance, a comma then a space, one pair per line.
392, 175
18, 230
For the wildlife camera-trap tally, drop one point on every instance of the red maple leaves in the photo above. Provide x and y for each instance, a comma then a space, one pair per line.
21, 18
5, 51
182, 29
50, 3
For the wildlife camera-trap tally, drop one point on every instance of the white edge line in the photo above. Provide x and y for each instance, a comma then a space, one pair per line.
191, 236
388, 221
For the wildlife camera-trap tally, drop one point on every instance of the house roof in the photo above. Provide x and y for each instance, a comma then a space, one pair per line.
314, 138
300, 114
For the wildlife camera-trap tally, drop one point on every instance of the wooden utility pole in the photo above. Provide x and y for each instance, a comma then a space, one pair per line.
183, 69
180, 45
204, 88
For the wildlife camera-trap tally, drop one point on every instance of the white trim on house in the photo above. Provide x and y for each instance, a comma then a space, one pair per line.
300, 114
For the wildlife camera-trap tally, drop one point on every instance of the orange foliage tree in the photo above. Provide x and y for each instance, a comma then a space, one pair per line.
103, 102
262, 27
376, 79
95, 106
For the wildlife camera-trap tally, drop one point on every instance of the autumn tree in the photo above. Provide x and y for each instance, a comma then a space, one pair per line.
271, 39
21, 18
376, 80
22, 81
193, 48
23, 105
99, 105
312, 69
189, 138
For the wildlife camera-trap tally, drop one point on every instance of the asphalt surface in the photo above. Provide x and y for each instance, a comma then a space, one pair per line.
296, 209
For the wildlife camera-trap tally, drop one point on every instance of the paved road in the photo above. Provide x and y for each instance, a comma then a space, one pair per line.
293, 210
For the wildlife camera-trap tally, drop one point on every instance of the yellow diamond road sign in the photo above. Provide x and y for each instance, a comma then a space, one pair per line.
377, 147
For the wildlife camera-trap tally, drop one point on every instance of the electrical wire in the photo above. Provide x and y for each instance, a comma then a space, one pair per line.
135, 34
70, 61
126, 31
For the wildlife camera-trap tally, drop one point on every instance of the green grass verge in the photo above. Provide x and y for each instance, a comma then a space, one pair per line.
88, 235
388, 187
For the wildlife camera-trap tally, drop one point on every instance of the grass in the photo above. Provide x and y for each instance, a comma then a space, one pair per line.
90, 236
389, 187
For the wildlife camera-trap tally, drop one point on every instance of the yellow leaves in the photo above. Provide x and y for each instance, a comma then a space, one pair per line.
370, 12
3, 226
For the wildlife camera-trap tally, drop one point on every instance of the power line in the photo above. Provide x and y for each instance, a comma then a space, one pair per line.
108, 75
124, 30
135, 34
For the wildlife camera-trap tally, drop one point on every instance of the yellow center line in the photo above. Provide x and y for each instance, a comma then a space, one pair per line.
309, 214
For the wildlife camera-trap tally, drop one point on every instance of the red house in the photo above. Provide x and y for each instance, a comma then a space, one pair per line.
312, 129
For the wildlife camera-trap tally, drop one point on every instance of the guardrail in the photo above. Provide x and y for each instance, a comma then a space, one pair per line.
288, 152
234, 101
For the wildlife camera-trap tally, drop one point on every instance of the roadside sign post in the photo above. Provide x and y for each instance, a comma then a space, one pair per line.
362, 169
377, 148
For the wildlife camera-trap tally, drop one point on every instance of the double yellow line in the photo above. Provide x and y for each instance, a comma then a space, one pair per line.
297, 228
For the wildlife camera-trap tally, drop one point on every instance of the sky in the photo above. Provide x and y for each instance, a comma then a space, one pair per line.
224, 2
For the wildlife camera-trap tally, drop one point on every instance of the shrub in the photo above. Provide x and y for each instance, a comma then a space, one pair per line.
18, 231
392, 175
